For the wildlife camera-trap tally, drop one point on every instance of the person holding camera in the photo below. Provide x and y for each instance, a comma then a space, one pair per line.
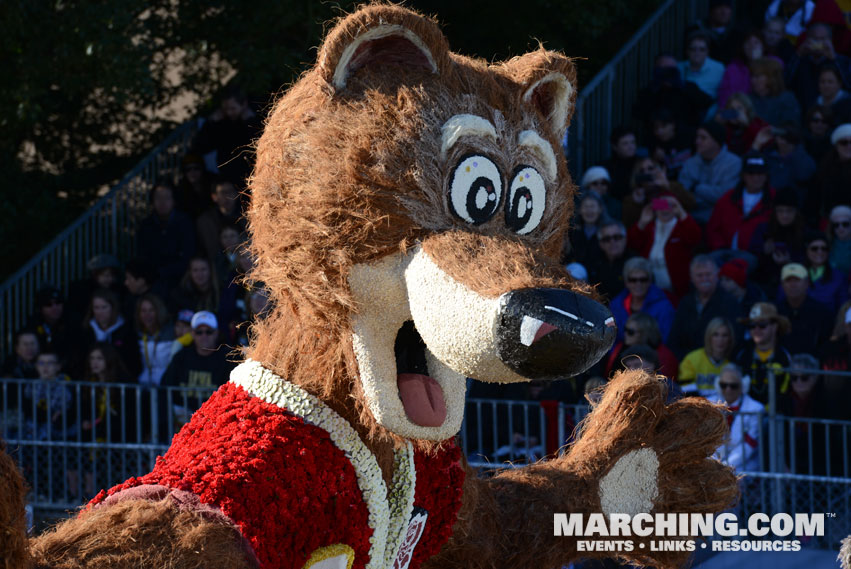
740, 123
649, 180
667, 236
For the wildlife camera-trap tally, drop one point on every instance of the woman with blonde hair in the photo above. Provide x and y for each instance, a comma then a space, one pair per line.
156, 338
700, 368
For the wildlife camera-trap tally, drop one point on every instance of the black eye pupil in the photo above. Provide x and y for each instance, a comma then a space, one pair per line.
517, 222
481, 200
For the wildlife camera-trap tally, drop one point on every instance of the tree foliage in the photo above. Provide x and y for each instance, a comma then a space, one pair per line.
89, 87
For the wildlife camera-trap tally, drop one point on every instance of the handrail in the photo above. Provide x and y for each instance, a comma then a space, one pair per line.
606, 101
107, 226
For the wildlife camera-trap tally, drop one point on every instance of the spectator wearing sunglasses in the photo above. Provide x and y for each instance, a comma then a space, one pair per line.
642, 329
827, 285
811, 320
840, 238
834, 177
641, 295
202, 364
818, 124
763, 351
741, 449
606, 270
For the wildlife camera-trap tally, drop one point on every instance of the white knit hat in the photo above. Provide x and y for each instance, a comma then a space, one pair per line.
842, 131
595, 173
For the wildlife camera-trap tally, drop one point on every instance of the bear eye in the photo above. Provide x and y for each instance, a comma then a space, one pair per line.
476, 189
527, 199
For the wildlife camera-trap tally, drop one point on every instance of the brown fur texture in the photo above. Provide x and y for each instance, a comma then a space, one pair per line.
141, 534
13, 523
518, 505
350, 171
347, 178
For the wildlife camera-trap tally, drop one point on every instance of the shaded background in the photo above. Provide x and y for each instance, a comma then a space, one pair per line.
88, 88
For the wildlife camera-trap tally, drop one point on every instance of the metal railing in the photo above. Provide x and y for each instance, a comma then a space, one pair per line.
69, 446
108, 226
607, 100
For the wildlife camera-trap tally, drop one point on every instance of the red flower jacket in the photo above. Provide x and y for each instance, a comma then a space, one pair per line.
293, 492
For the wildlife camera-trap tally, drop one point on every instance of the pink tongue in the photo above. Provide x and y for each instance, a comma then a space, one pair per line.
422, 399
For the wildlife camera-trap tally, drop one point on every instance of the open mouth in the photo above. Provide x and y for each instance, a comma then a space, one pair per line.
421, 395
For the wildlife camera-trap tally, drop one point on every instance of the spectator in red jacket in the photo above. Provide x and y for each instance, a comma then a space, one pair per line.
666, 235
739, 211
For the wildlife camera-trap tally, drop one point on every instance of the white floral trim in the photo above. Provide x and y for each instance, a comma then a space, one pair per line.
387, 518
403, 487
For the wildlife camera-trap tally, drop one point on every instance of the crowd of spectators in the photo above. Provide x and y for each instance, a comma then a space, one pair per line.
719, 230
167, 317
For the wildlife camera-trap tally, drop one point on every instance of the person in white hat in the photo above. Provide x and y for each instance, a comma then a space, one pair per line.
202, 364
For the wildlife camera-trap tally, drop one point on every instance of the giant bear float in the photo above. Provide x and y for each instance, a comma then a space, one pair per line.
408, 207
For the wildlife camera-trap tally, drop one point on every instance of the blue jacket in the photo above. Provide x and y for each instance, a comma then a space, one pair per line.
656, 305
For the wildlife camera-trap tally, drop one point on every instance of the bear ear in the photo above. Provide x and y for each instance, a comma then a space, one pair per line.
381, 35
547, 81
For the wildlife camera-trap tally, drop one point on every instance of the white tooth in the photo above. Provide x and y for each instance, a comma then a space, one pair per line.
528, 328
609, 321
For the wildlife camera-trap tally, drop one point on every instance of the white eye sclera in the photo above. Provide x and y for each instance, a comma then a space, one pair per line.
475, 191
527, 197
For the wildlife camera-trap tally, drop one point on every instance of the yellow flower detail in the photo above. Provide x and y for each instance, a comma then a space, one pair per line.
329, 552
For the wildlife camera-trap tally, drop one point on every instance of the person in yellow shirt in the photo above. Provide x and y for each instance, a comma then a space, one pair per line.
700, 368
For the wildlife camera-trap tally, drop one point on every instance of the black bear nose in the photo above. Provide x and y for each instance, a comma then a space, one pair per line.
548, 333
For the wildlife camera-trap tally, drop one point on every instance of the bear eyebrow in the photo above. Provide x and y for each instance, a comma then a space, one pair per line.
464, 125
541, 149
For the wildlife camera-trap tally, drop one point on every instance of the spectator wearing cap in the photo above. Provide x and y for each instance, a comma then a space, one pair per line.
741, 210
789, 165
741, 449
699, 68
810, 320
771, 101
641, 295
50, 321
606, 270
596, 179
667, 236
763, 351
619, 166
733, 279
166, 238
834, 176
827, 285
711, 172
840, 238
203, 364
780, 240
706, 301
